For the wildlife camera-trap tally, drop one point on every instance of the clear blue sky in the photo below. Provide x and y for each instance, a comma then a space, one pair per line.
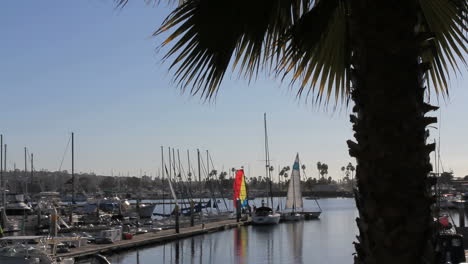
87, 67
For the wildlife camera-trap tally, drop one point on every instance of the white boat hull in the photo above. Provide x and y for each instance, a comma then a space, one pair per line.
272, 219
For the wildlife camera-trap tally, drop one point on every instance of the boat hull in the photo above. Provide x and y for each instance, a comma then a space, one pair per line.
291, 217
272, 219
311, 215
146, 211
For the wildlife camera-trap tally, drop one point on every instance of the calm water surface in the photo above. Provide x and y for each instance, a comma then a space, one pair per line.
328, 240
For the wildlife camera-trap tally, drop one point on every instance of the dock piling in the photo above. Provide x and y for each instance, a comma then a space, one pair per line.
238, 210
192, 217
176, 211
461, 214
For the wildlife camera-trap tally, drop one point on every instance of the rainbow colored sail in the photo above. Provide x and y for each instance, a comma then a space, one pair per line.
240, 191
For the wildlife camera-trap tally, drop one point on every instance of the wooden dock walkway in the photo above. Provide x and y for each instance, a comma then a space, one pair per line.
163, 236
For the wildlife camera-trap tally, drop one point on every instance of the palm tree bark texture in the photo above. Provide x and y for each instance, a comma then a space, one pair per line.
393, 197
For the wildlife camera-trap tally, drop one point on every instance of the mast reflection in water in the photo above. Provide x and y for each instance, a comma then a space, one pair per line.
328, 240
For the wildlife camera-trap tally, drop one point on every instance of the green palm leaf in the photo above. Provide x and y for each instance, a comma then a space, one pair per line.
305, 40
447, 20
211, 33
317, 53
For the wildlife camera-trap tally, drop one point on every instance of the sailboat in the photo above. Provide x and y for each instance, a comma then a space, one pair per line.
240, 191
294, 203
265, 215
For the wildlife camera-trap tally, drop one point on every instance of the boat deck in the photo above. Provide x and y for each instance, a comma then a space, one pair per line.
152, 238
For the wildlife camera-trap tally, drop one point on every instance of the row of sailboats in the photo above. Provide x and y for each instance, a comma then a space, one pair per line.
265, 215
294, 209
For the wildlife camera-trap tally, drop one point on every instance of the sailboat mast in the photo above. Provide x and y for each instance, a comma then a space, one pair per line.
25, 160
26, 171
163, 177
199, 173
169, 176
2, 191
32, 168
294, 191
5, 162
180, 166
1, 161
174, 163
4, 180
207, 164
73, 166
199, 166
267, 159
170, 164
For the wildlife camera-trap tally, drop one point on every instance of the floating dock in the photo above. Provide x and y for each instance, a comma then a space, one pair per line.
149, 238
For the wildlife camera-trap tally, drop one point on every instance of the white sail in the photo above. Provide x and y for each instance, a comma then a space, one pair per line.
294, 198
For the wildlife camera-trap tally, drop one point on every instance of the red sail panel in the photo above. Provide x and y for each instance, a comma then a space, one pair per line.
237, 186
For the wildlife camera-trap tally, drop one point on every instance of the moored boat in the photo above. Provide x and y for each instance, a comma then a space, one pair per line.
265, 216
294, 203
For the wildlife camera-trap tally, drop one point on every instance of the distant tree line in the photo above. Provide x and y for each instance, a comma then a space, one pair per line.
219, 183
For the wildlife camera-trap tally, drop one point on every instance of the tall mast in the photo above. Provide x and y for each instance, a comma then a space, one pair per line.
294, 191
189, 174
4, 180
267, 159
25, 160
199, 172
170, 164
163, 177
5, 161
1, 169
178, 158
199, 168
207, 164
32, 167
169, 177
73, 166
174, 162
1, 161
188, 161
26, 169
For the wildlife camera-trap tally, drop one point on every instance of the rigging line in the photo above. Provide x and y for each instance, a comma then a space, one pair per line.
184, 182
220, 187
180, 183
65, 153
202, 169
177, 189
209, 183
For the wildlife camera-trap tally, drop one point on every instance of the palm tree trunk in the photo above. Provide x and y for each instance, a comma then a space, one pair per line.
393, 197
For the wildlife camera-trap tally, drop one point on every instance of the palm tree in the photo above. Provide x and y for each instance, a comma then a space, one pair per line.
343, 170
381, 54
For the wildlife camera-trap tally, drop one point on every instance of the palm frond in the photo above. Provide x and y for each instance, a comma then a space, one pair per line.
447, 20
317, 53
123, 3
212, 33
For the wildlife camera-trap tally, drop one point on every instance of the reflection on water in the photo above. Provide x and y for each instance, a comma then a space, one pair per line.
328, 240
240, 245
295, 231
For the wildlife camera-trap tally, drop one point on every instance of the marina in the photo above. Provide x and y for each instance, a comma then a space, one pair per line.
152, 238
234, 132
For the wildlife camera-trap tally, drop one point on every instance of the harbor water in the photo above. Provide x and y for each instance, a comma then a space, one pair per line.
326, 240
